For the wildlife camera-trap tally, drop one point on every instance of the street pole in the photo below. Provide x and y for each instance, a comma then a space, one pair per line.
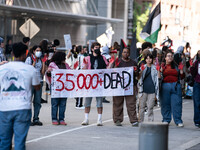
153, 136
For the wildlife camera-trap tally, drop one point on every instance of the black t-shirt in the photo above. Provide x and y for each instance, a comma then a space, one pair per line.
148, 86
130, 63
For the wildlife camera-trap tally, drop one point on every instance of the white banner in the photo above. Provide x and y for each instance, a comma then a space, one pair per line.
92, 83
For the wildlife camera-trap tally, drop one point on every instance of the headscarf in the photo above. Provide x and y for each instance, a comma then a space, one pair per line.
180, 50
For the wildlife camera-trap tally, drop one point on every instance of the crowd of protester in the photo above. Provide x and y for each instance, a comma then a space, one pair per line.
170, 75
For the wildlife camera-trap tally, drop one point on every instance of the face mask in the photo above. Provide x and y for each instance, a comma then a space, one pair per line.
38, 54
97, 51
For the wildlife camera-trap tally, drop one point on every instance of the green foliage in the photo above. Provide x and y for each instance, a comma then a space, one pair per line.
140, 17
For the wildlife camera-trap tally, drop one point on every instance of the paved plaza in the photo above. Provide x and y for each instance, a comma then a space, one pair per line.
108, 137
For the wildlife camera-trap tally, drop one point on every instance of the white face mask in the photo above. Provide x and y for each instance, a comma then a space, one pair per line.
38, 54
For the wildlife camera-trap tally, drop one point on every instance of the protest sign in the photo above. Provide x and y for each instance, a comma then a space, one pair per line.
92, 83
68, 43
102, 39
109, 33
90, 44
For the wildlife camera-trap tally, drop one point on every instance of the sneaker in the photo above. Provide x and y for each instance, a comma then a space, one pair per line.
180, 125
63, 123
197, 125
99, 123
105, 101
36, 123
82, 107
55, 123
43, 101
135, 124
85, 122
158, 104
165, 122
118, 123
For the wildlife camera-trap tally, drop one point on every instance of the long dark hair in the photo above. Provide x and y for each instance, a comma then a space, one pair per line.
197, 55
58, 58
34, 48
173, 63
44, 46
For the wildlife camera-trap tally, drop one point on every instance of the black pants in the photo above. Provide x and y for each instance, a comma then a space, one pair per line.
79, 102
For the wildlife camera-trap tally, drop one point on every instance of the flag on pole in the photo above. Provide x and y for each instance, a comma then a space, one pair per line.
152, 27
133, 48
122, 46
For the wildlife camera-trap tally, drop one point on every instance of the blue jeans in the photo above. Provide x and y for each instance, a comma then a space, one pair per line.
196, 99
37, 102
17, 123
171, 102
58, 103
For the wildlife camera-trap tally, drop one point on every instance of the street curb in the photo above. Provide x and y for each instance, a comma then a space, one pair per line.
188, 144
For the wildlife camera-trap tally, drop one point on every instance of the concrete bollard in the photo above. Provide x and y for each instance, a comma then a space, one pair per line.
153, 136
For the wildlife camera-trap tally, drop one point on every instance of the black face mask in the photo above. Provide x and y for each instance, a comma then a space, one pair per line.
97, 51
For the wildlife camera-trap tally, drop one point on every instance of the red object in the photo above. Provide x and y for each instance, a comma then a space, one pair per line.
124, 43
171, 75
84, 61
163, 66
114, 51
142, 67
135, 68
44, 59
158, 67
117, 62
33, 58
112, 59
27, 52
76, 64
191, 63
63, 123
180, 67
55, 123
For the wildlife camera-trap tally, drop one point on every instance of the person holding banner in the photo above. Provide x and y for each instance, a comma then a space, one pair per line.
57, 62
118, 101
94, 61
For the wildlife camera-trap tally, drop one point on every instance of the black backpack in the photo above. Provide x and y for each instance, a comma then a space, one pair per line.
190, 80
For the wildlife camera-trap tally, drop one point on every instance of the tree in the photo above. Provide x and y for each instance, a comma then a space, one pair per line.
140, 17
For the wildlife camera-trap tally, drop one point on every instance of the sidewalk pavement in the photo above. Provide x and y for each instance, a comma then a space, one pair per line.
108, 137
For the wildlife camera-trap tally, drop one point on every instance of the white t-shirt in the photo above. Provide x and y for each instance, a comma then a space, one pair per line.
80, 61
16, 80
38, 66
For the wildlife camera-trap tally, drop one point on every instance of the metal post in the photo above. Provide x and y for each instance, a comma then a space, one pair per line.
153, 136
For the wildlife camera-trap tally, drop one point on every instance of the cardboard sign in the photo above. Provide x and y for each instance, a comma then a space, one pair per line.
109, 33
102, 39
68, 43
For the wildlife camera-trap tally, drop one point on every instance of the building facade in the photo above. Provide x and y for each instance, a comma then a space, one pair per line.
180, 21
83, 19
